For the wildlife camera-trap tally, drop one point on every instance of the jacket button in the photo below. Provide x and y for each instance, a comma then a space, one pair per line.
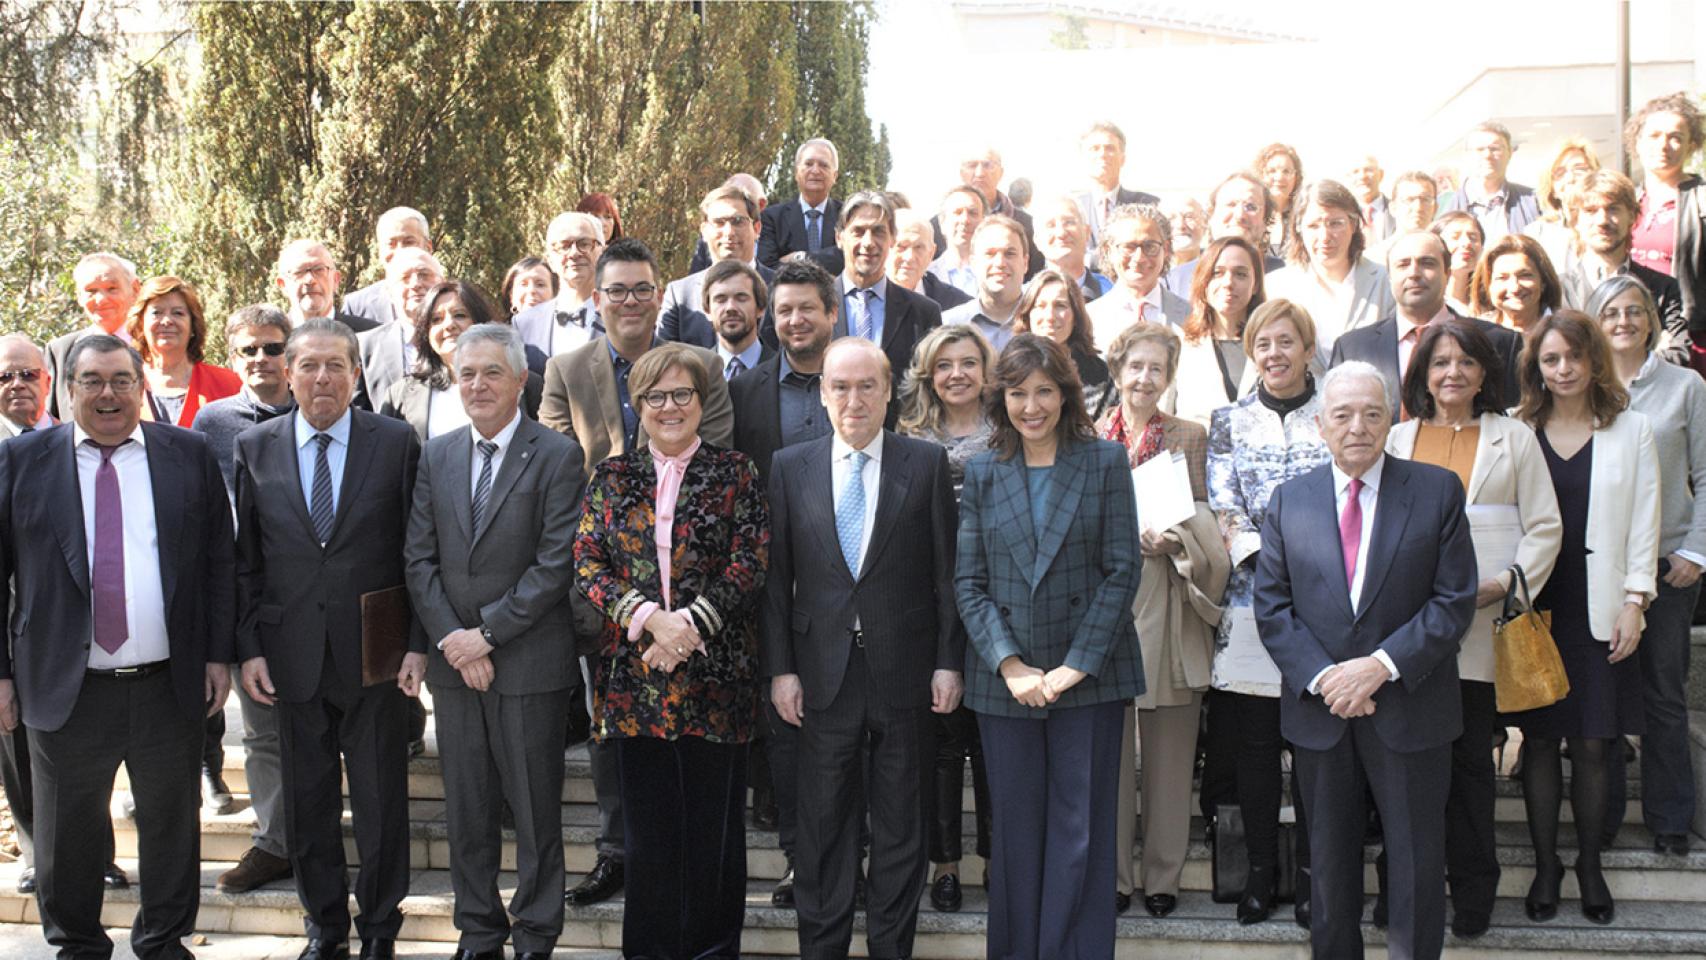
1006, 612
1075, 600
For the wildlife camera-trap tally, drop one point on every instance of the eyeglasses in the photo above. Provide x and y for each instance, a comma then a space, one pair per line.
254, 350
1150, 249
121, 384
27, 376
736, 222
680, 396
642, 292
316, 271
1331, 225
1634, 312
584, 245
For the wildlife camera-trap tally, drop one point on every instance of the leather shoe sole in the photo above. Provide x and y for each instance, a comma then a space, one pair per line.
325, 950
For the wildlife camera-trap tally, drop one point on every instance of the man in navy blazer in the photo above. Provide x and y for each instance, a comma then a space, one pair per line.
1367, 656
808, 223
1500, 206
868, 305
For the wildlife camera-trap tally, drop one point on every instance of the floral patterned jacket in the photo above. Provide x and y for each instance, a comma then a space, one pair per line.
719, 547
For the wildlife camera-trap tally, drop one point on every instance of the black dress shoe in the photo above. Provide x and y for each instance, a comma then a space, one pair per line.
1675, 844
1541, 904
417, 748
382, 949
215, 795
945, 893
1122, 902
1469, 924
1300, 912
783, 895
1597, 904
859, 888
534, 955
599, 885
461, 954
27, 881
115, 878
325, 950
1257, 903
1160, 904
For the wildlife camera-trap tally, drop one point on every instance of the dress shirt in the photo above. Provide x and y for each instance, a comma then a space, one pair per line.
1118, 309
1370, 500
955, 272
335, 454
997, 332
406, 334
874, 303
583, 323
825, 229
1407, 343
9, 429
502, 440
799, 398
630, 417
444, 411
749, 357
841, 468
1492, 211
144, 597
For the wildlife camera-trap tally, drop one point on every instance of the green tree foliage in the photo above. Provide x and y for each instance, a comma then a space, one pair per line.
831, 56
47, 47
39, 236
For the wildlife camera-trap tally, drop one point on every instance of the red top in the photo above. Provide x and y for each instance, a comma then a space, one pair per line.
207, 384
1653, 241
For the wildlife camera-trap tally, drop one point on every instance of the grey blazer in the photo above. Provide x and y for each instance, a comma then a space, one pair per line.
682, 317
381, 364
370, 302
513, 575
408, 400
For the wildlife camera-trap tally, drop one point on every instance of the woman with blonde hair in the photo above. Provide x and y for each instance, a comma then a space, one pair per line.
1571, 163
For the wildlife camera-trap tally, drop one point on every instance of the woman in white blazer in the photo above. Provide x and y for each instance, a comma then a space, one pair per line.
1326, 272
1213, 369
1459, 426
1605, 471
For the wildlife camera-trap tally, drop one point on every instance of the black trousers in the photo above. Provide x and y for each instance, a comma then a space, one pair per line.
857, 734
1471, 850
781, 748
1218, 745
957, 741
683, 805
136, 722
1259, 780
369, 731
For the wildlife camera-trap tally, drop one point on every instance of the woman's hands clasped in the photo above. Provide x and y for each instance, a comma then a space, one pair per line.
1035, 688
674, 639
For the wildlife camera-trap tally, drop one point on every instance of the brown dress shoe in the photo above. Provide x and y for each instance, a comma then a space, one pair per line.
257, 869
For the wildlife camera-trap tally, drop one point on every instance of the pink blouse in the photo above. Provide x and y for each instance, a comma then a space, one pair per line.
670, 470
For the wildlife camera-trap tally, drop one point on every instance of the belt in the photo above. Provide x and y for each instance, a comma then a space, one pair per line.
131, 673
858, 638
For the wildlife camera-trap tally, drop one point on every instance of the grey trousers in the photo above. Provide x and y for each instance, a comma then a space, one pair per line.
264, 768
606, 782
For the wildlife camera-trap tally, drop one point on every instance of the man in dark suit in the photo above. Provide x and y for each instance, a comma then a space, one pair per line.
1416, 265
1367, 656
1606, 209
1499, 205
910, 259
746, 182
388, 350
868, 304
1104, 156
808, 223
106, 287
735, 298
490, 567
730, 226
322, 503
861, 639
399, 228
981, 170
309, 279
116, 537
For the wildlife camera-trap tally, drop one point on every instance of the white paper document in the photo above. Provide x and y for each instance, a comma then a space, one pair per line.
1163, 487
1496, 530
1245, 660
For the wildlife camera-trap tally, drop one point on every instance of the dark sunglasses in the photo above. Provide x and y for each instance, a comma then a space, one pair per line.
28, 376
256, 349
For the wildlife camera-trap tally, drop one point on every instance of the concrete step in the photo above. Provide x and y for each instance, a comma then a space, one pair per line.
1198, 929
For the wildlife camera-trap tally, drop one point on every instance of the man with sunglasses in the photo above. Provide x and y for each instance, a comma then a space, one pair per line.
586, 397
256, 336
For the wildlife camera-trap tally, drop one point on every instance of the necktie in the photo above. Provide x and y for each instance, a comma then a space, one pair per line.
1406, 350
483, 488
850, 512
320, 507
814, 237
735, 368
1350, 532
861, 311
111, 626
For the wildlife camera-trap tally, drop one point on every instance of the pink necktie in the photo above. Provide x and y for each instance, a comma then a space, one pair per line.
1350, 532
111, 626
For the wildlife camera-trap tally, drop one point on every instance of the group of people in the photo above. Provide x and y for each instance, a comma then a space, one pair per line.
867, 496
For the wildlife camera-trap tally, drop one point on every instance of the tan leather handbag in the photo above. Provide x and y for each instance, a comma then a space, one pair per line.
1528, 673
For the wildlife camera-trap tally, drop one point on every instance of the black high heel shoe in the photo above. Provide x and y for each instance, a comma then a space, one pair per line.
1597, 904
1541, 904
1257, 904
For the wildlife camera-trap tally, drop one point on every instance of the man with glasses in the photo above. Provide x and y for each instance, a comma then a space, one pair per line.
1135, 248
586, 397
255, 335
398, 229
116, 537
730, 228
1240, 206
309, 280
572, 244
388, 351
1499, 205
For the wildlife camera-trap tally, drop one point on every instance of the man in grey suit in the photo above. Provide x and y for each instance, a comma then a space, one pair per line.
490, 567
399, 228
388, 350
861, 639
1499, 205
730, 226
322, 504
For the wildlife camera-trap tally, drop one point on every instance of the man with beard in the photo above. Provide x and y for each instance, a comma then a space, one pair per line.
734, 298
730, 228
1605, 214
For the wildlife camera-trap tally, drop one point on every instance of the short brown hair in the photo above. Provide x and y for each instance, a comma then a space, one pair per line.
1278, 308
1024, 355
730, 194
153, 289
1606, 396
1610, 188
725, 269
1551, 291
1202, 319
661, 359
1332, 195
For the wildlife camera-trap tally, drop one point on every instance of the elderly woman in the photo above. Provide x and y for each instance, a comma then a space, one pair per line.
1455, 391
1255, 445
427, 399
1053, 307
1605, 471
1281, 170
169, 330
1514, 285
674, 537
1571, 164
528, 282
1214, 370
942, 401
1137, 245
1463, 238
1674, 401
1047, 569
1178, 604
1327, 274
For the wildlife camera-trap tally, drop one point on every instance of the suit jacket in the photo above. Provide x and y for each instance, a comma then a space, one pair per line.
1418, 616
1510, 470
1059, 595
1371, 301
756, 398
370, 303
514, 574
1623, 519
58, 351
1522, 207
903, 597
1378, 345
682, 316
1667, 297
945, 295
907, 317
295, 598
409, 400
45, 555
382, 364
783, 229
1688, 261
580, 400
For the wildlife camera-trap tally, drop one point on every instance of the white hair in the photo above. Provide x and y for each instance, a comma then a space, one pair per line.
834, 154
111, 259
502, 334
401, 259
7, 340
1355, 370
907, 218
562, 220
400, 215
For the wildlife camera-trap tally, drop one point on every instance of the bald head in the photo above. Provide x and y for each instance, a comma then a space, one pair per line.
855, 388
748, 184
308, 278
23, 396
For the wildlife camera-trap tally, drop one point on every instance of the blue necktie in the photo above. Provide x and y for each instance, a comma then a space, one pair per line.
320, 509
861, 314
814, 236
850, 512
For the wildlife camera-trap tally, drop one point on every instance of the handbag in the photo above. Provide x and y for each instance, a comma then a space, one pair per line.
1229, 858
1528, 673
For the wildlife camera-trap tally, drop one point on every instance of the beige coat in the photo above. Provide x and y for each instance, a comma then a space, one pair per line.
1177, 609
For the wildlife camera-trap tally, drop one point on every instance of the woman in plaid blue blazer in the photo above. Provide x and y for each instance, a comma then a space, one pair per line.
1047, 569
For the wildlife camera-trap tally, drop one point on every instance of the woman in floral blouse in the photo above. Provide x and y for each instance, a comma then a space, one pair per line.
673, 543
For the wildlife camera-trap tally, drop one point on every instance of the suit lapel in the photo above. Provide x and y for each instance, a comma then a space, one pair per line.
1391, 513
895, 313
59, 459
841, 327
1013, 512
516, 460
458, 472
1068, 483
820, 501
767, 411
1331, 556
891, 490
356, 460
603, 378
286, 449
1489, 450
169, 482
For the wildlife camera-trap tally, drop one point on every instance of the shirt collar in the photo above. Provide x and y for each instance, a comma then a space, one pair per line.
1405, 326
1649, 366
879, 290
338, 431
502, 439
1370, 478
839, 449
78, 436
820, 208
786, 370
749, 356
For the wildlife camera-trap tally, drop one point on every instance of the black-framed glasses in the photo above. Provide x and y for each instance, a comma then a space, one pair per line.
680, 396
642, 292
254, 350
27, 376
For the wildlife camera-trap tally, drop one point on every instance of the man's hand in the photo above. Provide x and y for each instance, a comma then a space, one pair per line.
946, 689
1684, 573
1349, 688
8, 707
788, 697
218, 687
462, 647
410, 675
478, 674
1626, 632
1061, 679
257, 682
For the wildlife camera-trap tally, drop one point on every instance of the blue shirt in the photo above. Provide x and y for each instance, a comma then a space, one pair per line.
800, 402
823, 224
1039, 480
307, 451
874, 302
630, 417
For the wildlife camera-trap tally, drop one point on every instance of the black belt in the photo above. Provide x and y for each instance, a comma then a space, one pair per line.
858, 638
131, 673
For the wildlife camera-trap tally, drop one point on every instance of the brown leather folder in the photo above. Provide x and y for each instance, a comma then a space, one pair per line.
385, 619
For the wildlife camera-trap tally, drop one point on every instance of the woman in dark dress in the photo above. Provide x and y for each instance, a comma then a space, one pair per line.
1604, 467
1053, 307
